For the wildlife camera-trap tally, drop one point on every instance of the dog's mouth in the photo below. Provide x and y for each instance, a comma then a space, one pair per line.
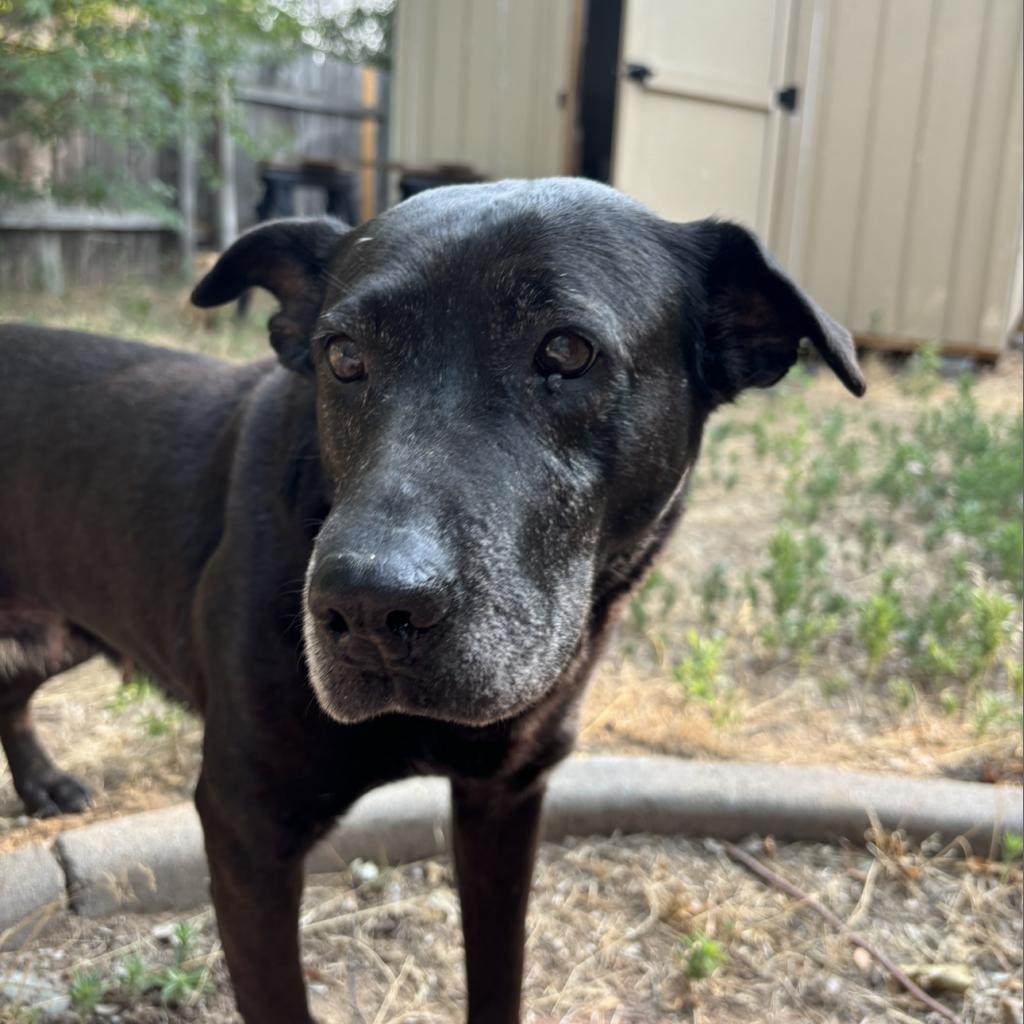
355, 679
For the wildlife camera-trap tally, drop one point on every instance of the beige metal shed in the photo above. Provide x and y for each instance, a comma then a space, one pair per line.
485, 83
875, 144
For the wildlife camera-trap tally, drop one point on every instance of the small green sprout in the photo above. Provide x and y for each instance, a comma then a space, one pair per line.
1013, 847
86, 992
702, 956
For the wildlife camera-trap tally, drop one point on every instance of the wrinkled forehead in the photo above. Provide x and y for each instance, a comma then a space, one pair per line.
581, 252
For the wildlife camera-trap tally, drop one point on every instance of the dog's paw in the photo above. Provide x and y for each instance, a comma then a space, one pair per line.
57, 793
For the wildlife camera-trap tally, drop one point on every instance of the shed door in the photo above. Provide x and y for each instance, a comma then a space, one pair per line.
697, 124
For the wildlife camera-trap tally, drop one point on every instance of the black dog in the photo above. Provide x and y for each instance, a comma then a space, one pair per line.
475, 441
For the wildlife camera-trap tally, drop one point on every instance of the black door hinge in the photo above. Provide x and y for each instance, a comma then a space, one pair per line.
638, 73
787, 98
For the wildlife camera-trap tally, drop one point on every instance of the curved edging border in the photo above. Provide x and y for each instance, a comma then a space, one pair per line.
154, 861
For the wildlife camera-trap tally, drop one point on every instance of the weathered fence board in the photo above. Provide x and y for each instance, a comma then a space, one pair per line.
290, 111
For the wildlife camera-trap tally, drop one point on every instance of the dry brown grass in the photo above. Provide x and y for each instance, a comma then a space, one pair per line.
607, 933
114, 751
826, 708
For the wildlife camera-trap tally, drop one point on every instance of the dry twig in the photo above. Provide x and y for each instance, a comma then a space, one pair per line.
778, 882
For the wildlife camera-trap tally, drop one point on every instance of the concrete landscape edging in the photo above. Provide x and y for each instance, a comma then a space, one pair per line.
154, 861
32, 889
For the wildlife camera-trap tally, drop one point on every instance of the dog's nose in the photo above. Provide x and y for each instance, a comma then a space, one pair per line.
380, 598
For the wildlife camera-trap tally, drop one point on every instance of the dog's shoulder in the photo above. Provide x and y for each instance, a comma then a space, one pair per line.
34, 344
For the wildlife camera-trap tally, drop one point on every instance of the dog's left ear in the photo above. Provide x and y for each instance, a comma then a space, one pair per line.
751, 317
289, 258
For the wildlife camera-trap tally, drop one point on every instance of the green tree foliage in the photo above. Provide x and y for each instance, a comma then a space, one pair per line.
122, 71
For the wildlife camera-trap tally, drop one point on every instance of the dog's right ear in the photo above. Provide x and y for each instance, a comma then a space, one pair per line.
290, 259
750, 315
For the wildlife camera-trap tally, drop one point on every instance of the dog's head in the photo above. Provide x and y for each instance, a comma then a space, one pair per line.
510, 382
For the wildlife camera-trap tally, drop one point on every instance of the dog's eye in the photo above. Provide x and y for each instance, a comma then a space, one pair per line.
345, 358
565, 353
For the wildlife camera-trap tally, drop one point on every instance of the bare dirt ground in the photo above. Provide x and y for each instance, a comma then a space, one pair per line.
615, 923
613, 930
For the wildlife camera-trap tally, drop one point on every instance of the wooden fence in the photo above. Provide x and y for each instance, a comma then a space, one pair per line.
297, 110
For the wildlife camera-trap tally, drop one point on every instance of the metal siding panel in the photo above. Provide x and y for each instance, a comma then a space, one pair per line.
407, 73
774, 136
1015, 306
515, 82
396, 115
945, 135
550, 70
468, 42
867, 156
883, 209
804, 70
570, 139
979, 217
517, 65
426, 79
1002, 283
446, 113
842, 134
482, 125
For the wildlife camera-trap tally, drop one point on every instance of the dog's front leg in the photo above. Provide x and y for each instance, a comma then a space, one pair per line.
496, 827
256, 875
